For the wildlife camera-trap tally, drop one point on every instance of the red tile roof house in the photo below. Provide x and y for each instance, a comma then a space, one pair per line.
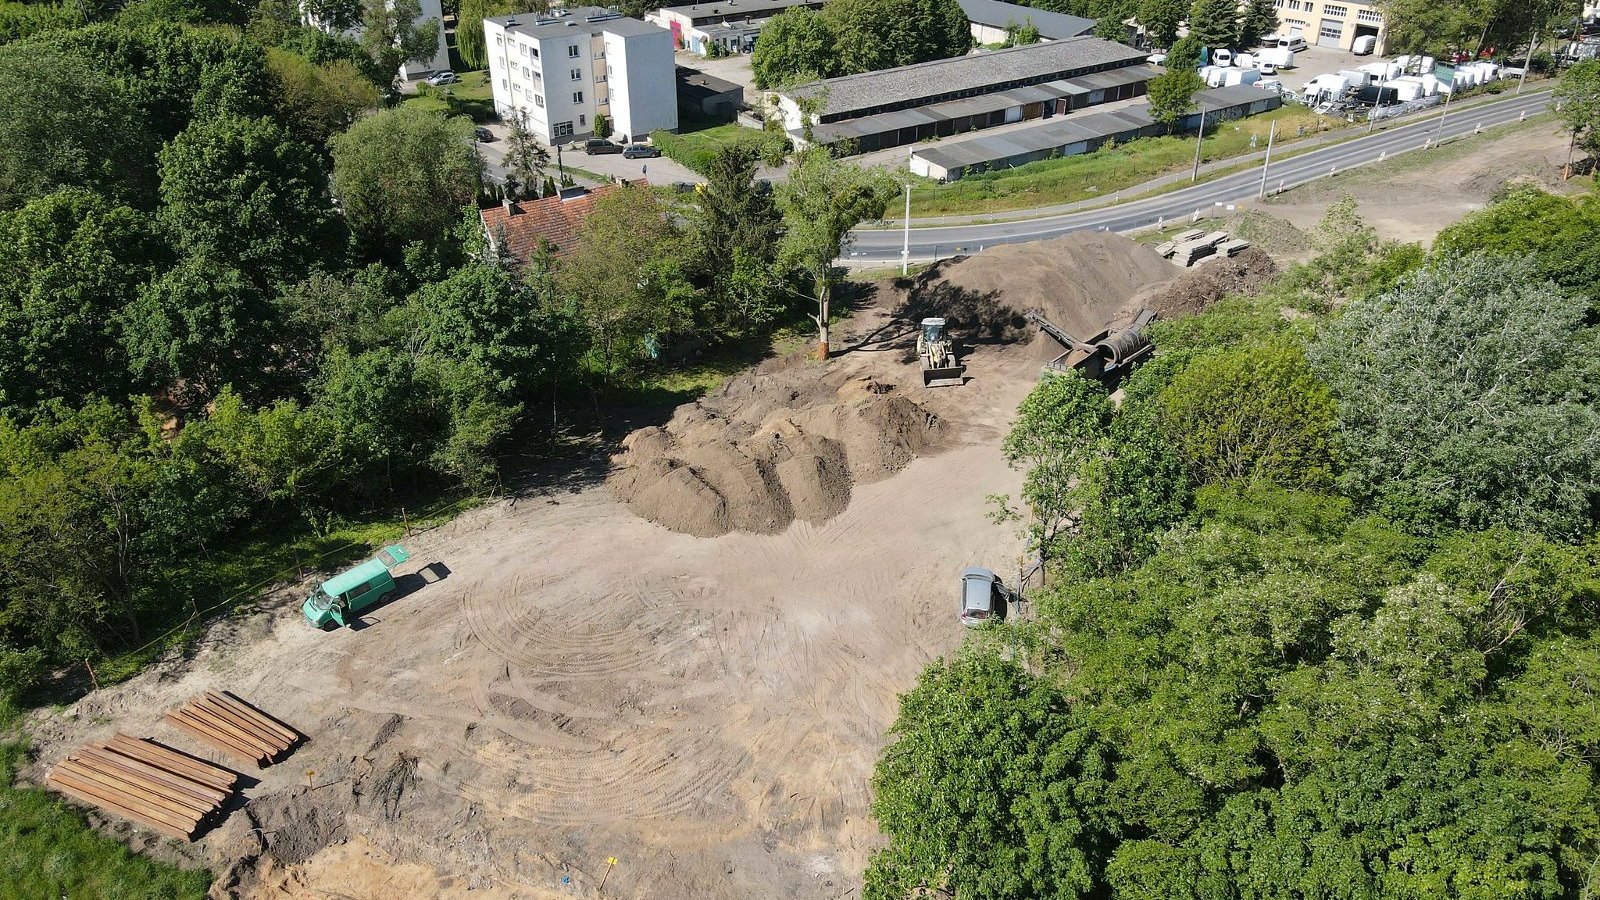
517, 228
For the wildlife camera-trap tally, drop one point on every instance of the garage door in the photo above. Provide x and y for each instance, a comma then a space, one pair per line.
1331, 34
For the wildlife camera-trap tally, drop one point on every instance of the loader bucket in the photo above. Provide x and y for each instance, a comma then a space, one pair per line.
950, 377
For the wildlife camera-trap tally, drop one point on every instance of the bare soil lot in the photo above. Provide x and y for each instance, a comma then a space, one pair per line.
572, 682
1412, 197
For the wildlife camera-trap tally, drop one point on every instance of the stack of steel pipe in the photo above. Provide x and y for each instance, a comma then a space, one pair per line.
236, 728
147, 783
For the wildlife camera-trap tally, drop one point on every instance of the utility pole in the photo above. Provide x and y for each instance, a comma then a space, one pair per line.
1527, 61
905, 247
1438, 134
1262, 194
1199, 136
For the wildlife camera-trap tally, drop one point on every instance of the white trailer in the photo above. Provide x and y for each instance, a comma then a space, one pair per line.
1282, 57
1364, 44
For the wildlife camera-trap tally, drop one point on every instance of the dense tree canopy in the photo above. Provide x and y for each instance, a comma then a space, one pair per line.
405, 174
1319, 613
850, 36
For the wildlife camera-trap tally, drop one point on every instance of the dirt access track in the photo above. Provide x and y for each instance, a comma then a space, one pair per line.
571, 682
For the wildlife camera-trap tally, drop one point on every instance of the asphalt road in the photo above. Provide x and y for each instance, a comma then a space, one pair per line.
873, 245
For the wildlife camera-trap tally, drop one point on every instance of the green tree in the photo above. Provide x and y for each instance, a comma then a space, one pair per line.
316, 102
881, 34
1161, 19
822, 200
1252, 413
392, 36
627, 279
246, 193
483, 315
1056, 437
67, 124
988, 789
738, 230
1577, 102
1560, 235
73, 260
404, 175
797, 45
1171, 95
1464, 397
1259, 20
1214, 23
1185, 54
1111, 28
525, 159
470, 41
198, 327
239, 85
1021, 35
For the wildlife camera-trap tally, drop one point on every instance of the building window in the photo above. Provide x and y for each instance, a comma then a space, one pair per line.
1328, 9
561, 129
534, 51
577, 74
608, 70
577, 96
572, 52
504, 83
1367, 15
583, 120
526, 72
499, 41
538, 100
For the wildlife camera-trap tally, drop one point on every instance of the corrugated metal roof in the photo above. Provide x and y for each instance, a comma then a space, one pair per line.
980, 72
1053, 25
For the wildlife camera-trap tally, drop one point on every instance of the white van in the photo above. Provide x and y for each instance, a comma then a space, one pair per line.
1364, 45
1294, 43
1222, 57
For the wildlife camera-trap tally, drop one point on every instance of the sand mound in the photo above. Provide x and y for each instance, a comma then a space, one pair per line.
769, 447
1079, 281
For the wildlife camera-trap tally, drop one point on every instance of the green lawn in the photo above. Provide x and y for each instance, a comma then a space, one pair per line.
471, 96
695, 149
1109, 170
48, 851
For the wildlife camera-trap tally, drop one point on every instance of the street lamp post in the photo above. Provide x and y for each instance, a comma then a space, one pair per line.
1198, 138
905, 247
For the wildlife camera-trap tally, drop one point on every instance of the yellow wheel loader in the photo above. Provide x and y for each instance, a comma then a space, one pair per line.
937, 350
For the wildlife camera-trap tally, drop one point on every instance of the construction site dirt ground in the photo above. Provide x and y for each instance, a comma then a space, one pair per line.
567, 683
1412, 197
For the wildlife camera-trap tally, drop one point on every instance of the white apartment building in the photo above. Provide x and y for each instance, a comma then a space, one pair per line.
563, 68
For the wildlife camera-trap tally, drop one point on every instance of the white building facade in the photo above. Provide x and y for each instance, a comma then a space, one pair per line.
563, 69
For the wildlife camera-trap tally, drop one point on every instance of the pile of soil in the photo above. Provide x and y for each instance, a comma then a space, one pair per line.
1081, 281
1205, 284
771, 446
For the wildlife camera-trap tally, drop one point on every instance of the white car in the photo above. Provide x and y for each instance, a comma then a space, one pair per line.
1156, 59
1267, 68
1222, 57
438, 79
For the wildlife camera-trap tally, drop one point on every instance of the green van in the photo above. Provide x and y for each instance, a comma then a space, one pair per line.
349, 592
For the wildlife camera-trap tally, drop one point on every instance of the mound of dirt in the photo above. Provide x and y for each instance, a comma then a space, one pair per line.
769, 447
1079, 281
1205, 284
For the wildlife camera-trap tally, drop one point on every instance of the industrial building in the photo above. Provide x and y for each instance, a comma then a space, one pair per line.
560, 70
1084, 133
1336, 25
892, 107
992, 20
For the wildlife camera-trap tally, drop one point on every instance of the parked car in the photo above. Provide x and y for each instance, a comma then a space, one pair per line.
983, 597
1156, 59
482, 134
438, 79
1222, 57
335, 602
640, 151
1267, 68
1293, 42
595, 146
